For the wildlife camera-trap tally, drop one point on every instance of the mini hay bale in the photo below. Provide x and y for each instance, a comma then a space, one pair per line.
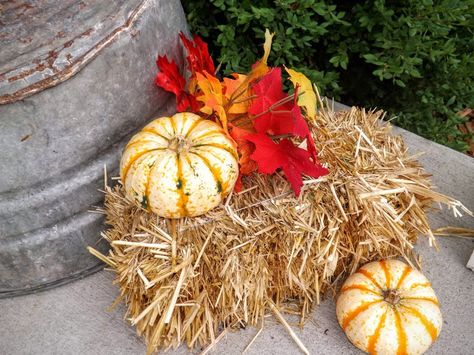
185, 281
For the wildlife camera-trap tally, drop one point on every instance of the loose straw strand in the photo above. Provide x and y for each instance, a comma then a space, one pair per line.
174, 236
287, 327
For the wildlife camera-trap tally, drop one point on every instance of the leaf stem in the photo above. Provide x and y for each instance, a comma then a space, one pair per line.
246, 99
281, 102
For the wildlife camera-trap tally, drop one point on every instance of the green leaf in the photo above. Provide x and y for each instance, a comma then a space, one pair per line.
400, 83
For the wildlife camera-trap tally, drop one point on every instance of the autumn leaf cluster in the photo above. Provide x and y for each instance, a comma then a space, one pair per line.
269, 126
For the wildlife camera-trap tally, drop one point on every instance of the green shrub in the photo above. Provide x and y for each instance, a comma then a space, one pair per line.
412, 58
419, 57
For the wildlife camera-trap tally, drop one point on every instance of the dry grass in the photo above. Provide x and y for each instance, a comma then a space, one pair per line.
265, 250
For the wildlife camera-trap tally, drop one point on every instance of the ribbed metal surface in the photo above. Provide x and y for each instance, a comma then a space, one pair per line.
76, 80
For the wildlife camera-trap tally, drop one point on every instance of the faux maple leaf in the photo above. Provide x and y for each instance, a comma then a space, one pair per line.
187, 103
272, 117
308, 97
198, 56
211, 89
237, 94
245, 148
170, 79
212, 96
295, 162
311, 148
305, 132
259, 69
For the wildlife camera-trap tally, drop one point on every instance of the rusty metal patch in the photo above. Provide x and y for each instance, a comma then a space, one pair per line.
45, 42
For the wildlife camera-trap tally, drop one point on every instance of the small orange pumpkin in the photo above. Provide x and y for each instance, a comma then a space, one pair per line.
179, 166
386, 307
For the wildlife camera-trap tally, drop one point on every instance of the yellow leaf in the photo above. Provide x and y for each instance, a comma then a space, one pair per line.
307, 99
267, 45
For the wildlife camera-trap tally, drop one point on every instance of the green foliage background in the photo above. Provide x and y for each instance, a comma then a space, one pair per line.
414, 58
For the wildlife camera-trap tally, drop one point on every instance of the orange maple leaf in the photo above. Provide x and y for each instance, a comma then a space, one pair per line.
245, 149
237, 94
260, 68
212, 97
238, 90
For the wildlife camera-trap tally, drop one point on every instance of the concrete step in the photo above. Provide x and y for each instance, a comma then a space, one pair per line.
73, 319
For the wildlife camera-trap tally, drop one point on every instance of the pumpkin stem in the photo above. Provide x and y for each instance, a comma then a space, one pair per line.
179, 144
391, 296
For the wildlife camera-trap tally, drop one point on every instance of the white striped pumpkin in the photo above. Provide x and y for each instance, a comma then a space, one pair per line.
179, 166
386, 307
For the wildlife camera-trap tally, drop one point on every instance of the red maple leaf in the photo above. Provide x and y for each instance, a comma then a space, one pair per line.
311, 148
271, 117
187, 103
170, 79
245, 149
304, 131
294, 161
198, 56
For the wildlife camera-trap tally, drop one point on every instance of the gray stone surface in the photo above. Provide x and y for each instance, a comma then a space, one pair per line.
97, 89
73, 319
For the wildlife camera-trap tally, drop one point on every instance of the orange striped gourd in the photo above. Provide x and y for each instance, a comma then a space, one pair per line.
386, 307
179, 166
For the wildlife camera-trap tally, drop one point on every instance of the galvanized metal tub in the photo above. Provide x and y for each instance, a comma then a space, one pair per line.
76, 80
